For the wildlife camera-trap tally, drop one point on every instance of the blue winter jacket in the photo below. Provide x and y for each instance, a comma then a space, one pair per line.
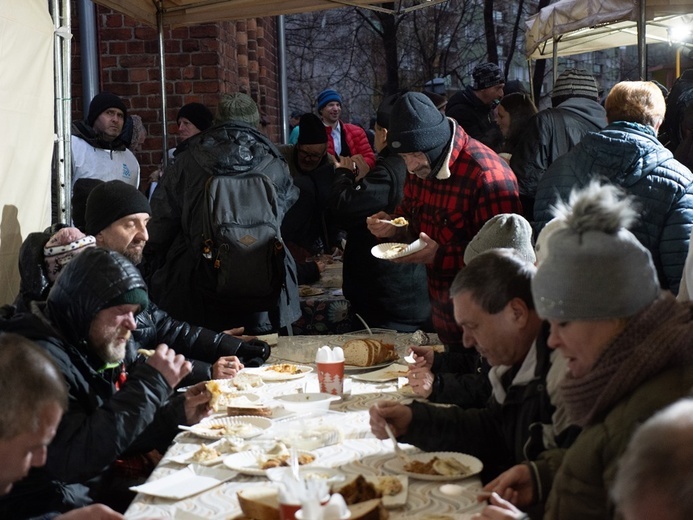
629, 155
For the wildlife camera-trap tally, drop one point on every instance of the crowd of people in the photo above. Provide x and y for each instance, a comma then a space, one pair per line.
552, 246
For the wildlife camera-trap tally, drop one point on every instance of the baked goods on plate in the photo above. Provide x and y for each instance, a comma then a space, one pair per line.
368, 352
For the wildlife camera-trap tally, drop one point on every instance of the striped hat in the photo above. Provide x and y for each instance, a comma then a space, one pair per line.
575, 83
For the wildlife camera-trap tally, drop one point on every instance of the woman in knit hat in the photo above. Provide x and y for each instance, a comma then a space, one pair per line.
628, 346
41, 258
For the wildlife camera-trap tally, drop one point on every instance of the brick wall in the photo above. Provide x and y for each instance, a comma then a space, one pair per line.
202, 62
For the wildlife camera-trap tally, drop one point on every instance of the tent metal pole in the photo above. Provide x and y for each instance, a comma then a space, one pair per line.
62, 158
88, 49
284, 88
642, 46
554, 60
162, 69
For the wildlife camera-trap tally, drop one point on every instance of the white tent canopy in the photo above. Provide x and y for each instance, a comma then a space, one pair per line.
190, 12
577, 26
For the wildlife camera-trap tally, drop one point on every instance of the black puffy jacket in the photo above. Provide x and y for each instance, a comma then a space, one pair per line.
101, 424
201, 346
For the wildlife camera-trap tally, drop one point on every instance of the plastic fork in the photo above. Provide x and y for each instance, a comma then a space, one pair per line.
398, 451
393, 223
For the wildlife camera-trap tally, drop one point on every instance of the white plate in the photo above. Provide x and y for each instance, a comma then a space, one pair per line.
243, 426
223, 446
388, 373
243, 382
310, 472
398, 500
391, 250
354, 368
306, 291
246, 462
396, 466
267, 374
186, 482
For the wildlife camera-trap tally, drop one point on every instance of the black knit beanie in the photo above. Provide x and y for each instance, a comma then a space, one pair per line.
198, 114
416, 125
111, 201
103, 102
311, 130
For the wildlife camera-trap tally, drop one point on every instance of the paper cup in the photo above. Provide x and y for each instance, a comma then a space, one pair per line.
331, 377
288, 511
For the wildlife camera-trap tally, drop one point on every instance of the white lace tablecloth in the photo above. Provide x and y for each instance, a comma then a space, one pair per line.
359, 453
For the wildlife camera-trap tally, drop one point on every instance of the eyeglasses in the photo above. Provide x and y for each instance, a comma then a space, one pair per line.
308, 155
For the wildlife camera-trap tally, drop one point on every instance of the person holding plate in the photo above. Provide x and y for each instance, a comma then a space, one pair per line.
455, 184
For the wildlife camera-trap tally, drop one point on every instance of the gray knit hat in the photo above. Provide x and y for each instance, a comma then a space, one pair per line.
507, 230
238, 107
416, 125
575, 83
595, 268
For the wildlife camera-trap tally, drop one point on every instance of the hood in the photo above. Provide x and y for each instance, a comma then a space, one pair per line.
82, 130
586, 109
622, 152
230, 148
85, 286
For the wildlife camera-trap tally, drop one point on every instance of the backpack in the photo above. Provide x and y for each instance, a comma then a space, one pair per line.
242, 241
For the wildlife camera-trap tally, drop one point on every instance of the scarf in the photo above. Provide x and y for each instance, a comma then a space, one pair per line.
658, 338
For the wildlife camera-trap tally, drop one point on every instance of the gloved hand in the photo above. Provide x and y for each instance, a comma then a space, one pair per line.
253, 353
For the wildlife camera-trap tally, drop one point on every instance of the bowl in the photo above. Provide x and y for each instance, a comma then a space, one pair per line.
307, 402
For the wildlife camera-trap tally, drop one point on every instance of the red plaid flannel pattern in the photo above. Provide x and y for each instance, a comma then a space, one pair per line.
451, 211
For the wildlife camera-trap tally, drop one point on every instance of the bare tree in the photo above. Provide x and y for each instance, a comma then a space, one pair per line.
490, 31
367, 54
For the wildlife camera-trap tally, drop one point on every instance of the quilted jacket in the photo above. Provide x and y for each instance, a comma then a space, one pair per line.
356, 141
629, 155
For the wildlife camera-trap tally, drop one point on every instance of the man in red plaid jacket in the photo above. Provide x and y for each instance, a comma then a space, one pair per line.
455, 185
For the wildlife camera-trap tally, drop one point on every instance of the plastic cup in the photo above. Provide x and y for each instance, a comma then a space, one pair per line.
331, 377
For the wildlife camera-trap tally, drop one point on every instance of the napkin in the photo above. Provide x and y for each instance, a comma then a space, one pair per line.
326, 354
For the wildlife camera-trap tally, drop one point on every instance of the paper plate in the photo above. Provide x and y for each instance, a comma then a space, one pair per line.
389, 373
247, 462
392, 250
475, 466
245, 427
268, 373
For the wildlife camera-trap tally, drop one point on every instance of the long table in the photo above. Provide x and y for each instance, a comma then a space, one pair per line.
359, 452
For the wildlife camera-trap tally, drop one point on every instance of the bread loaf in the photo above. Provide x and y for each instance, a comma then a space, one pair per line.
368, 352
